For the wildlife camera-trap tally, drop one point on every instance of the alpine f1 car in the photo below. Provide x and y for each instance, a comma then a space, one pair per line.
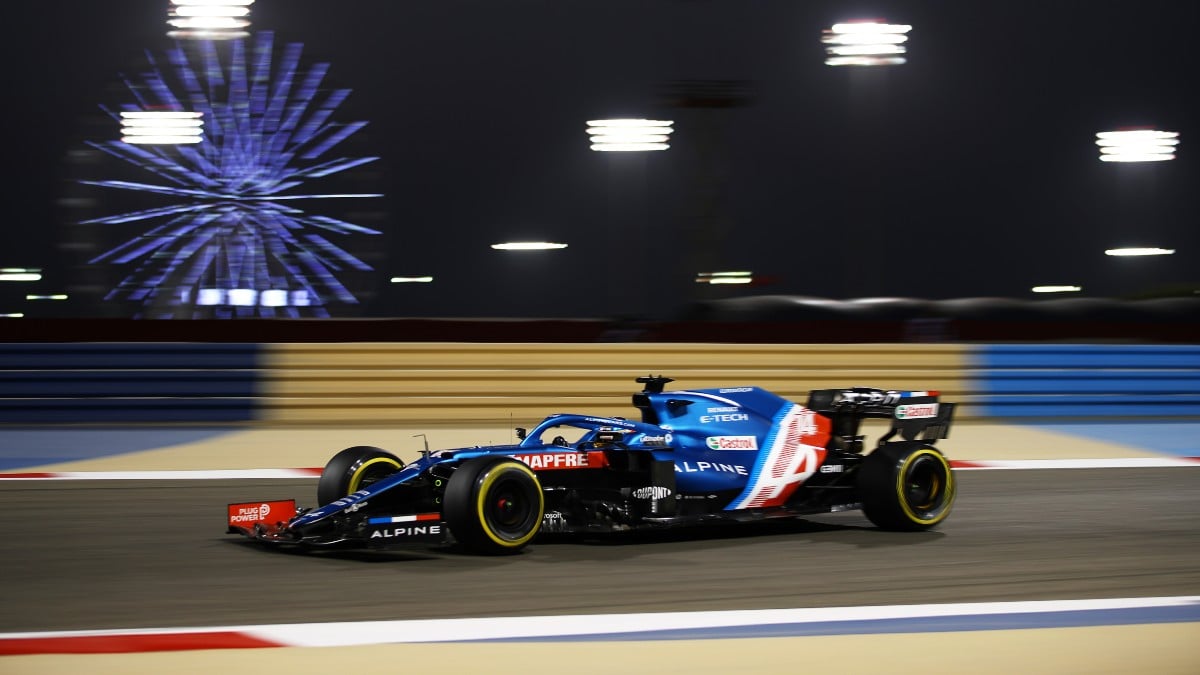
695, 456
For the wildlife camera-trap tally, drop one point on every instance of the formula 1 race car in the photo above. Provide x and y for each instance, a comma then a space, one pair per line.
700, 456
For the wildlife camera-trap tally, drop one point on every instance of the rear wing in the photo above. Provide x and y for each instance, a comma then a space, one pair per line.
915, 415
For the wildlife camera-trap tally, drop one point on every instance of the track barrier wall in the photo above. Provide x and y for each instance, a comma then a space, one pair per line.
406, 383
128, 383
1087, 381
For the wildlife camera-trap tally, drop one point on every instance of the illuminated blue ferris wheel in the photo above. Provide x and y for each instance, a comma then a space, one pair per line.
231, 232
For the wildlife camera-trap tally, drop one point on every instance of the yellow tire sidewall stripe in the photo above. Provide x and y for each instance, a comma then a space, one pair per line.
948, 497
493, 474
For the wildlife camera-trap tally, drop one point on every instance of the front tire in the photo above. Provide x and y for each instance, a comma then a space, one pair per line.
353, 469
906, 486
494, 505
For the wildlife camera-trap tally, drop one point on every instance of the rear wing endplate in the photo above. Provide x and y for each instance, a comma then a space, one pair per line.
915, 415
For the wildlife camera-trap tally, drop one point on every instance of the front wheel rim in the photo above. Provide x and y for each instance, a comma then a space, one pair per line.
508, 510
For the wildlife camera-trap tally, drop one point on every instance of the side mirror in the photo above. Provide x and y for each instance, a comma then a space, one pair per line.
521, 432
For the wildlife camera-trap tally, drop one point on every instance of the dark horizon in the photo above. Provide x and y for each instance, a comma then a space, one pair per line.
969, 171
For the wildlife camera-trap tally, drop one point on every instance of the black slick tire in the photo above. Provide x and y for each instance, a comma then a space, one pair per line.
906, 486
353, 469
493, 505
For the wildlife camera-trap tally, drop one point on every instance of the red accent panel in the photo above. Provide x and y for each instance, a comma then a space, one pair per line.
551, 461
249, 514
28, 475
126, 644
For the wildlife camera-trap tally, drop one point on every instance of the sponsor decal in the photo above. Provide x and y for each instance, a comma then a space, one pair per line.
832, 468
735, 390
407, 531
250, 514
258, 512
652, 492
916, 411
610, 421
795, 451
654, 440
416, 517
876, 397
554, 460
554, 521
725, 417
732, 442
349, 499
717, 467
727, 408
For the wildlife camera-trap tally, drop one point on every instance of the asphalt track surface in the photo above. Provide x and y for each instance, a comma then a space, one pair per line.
140, 554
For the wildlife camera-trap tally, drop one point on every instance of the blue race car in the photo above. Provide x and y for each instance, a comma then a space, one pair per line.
694, 457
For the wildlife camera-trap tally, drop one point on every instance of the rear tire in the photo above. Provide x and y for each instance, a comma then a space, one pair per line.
494, 505
906, 486
353, 469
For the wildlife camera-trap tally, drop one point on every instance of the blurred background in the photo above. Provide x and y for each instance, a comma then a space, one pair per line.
961, 163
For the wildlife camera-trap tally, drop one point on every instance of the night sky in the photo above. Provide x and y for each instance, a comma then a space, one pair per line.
969, 171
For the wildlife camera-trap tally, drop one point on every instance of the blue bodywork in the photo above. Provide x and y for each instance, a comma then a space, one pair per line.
682, 437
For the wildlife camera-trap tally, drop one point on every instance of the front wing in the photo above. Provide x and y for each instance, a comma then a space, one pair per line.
269, 522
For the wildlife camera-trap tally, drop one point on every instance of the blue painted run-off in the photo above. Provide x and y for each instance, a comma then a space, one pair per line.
1170, 437
23, 448
920, 624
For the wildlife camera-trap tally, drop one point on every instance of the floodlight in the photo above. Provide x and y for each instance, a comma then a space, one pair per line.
161, 127
209, 19
210, 296
242, 297
629, 135
865, 43
1056, 289
527, 246
1137, 145
724, 277
1136, 251
412, 280
273, 297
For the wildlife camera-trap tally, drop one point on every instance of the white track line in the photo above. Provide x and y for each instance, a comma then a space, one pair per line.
1113, 463
545, 627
